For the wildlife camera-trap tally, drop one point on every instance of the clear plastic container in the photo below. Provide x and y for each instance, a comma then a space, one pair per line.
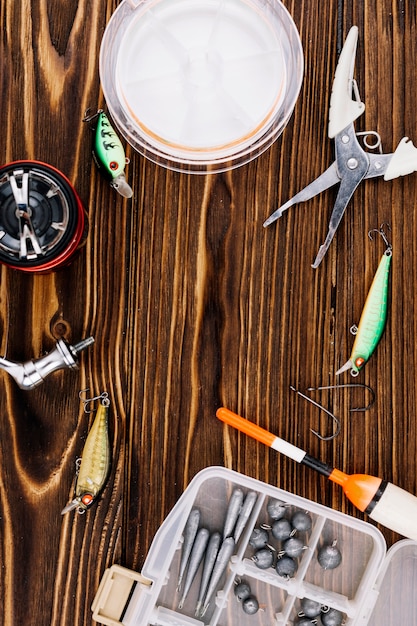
368, 587
201, 85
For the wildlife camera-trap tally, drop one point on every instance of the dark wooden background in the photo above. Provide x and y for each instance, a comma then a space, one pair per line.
193, 305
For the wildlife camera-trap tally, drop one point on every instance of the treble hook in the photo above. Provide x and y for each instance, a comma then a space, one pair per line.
322, 408
89, 117
104, 397
381, 232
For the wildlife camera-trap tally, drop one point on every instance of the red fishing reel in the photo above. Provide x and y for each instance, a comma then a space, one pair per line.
42, 219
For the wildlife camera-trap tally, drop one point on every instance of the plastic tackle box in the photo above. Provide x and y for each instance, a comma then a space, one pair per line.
369, 586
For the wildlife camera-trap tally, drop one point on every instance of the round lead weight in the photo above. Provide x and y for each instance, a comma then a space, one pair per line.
332, 617
276, 508
301, 521
250, 605
286, 567
281, 529
310, 608
242, 591
293, 547
329, 556
259, 538
263, 558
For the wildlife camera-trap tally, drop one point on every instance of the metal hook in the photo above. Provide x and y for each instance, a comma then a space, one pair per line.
89, 117
381, 232
345, 385
319, 406
104, 397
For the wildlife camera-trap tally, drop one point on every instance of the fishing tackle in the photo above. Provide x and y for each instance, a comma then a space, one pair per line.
226, 550
301, 521
42, 219
233, 512
331, 617
32, 373
196, 557
329, 556
108, 152
374, 315
334, 418
309, 608
259, 538
352, 164
263, 558
250, 605
190, 533
356, 409
209, 561
383, 501
242, 591
94, 465
244, 515
286, 567
293, 547
276, 508
281, 529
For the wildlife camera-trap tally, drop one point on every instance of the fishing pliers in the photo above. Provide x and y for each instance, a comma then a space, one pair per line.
352, 164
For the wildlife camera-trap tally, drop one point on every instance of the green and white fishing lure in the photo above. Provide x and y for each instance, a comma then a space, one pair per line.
374, 314
108, 153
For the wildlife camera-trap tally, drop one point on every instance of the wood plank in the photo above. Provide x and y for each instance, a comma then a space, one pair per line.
193, 305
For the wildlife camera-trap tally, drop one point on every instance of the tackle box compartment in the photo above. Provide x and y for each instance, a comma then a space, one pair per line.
370, 586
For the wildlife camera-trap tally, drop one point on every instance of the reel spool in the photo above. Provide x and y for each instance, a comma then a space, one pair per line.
42, 219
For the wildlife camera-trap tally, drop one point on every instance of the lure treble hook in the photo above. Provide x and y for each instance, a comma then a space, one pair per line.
104, 397
382, 234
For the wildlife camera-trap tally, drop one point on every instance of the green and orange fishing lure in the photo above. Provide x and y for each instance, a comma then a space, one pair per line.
374, 314
108, 152
94, 465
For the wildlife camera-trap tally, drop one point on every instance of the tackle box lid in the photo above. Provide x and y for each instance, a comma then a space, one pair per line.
371, 586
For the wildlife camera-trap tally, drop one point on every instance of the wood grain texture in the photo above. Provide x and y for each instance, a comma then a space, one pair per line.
193, 305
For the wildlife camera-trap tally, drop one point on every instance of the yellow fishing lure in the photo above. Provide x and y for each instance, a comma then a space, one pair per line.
94, 465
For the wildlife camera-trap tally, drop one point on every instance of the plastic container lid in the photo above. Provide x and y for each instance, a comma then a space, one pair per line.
201, 85
396, 586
